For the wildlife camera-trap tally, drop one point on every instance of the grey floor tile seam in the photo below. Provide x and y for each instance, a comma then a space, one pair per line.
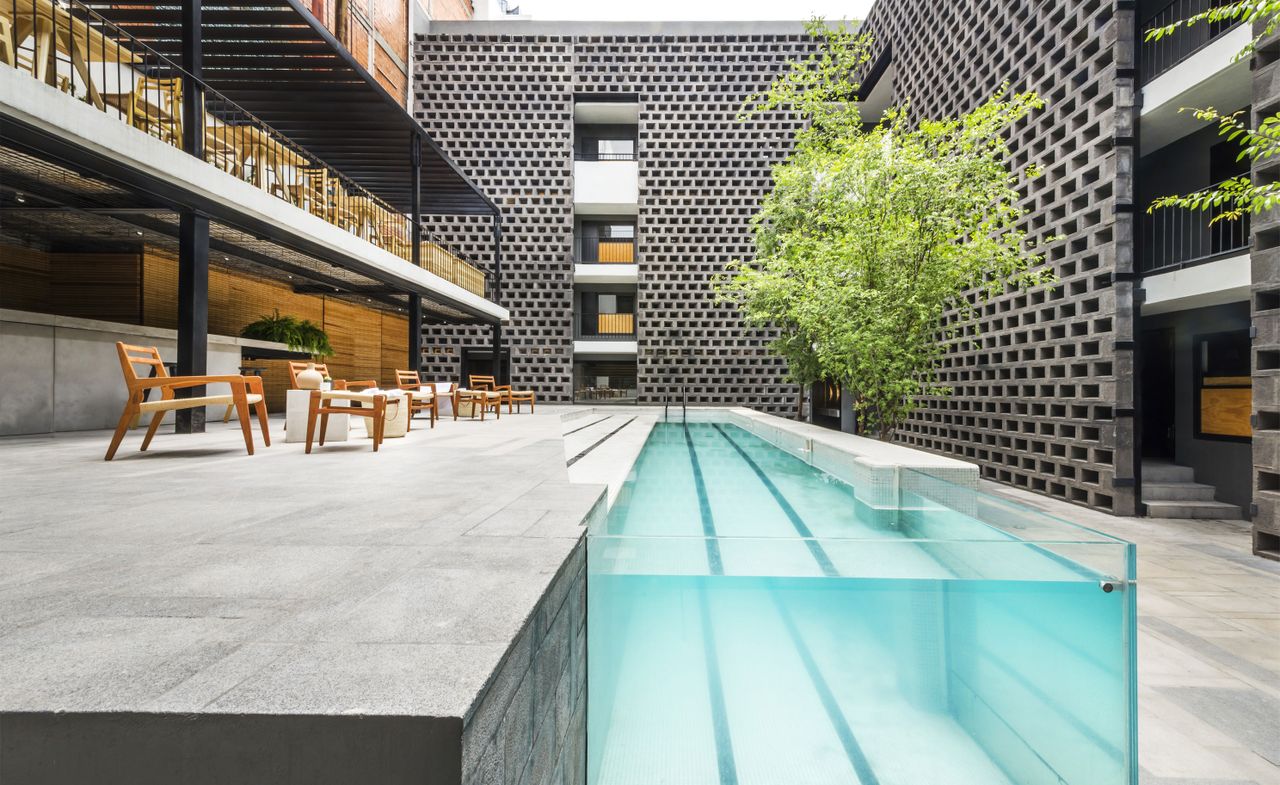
1211, 650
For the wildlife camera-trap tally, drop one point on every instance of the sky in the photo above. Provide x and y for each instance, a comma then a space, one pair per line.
697, 10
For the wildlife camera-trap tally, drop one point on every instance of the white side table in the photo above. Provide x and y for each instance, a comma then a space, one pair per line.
296, 405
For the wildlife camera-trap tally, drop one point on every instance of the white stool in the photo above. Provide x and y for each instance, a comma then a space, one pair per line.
397, 417
296, 403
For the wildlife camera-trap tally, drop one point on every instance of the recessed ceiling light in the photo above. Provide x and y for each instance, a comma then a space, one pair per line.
226, 258
138, 232
21, 199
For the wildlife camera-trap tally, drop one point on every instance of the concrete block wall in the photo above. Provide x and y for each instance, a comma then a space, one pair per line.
529, 726
1265, 311
501, 103
1043, 399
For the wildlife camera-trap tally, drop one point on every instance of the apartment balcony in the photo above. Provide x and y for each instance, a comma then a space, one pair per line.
606, 184
1189, 260
76, 85
1196, 66
606, 334
602, 260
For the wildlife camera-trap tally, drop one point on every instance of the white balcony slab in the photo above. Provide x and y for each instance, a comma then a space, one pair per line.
606, 273
606, 348
606, 187
1212, 283
1210, 77
607, 112
63, 117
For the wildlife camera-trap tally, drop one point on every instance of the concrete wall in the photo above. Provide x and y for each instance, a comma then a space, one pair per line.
529, 726
60, 373
1266, 320
1223, 464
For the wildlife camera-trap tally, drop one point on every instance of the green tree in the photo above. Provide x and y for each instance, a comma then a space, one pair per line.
877, 245
1238, 196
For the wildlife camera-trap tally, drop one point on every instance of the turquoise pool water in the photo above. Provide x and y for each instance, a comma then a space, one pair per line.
752, 620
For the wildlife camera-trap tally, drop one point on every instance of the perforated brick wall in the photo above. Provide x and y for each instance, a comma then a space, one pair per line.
1266, 321
502, 106
1043, 399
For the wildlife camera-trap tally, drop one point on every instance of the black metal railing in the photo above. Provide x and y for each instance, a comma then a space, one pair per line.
592, 156
72, 48
1160, 56
1177, 237
605, 250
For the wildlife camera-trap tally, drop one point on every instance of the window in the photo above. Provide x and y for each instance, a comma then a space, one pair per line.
1223, 386
615, 149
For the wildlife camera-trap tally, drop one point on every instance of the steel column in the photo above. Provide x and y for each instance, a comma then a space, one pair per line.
193, 311
497, 297
193, 235
415, 236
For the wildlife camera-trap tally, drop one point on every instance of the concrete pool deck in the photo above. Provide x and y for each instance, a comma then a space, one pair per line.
415, 615
194, 614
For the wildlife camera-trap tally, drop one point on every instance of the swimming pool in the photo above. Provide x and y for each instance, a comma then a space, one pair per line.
753, 620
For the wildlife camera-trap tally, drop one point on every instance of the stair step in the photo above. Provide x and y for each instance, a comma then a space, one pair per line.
1167, 472
1193, 509
1176, 491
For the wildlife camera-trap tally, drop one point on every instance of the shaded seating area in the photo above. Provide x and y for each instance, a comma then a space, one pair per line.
422, 395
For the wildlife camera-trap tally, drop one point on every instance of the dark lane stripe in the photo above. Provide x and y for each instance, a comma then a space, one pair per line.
588, 425
857, 758
819, 554
604, 439
715, 686
714, 563
829, 703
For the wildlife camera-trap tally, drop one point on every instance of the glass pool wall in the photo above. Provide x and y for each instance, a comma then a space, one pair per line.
752, 620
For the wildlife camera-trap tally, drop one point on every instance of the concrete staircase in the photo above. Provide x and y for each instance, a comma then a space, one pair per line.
1170, 491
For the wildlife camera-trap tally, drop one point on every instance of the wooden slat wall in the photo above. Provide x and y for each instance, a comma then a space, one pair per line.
363, 339
97, 285
24, 279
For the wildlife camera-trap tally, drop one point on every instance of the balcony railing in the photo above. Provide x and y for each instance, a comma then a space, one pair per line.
69, 46
1158, 57
607, 250
631, 156
1176, 237
607, 326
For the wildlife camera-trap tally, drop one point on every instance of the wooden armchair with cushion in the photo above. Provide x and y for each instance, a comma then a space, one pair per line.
246, 391
508, 396
422, 395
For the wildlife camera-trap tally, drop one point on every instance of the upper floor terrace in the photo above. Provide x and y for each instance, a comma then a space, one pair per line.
253, 115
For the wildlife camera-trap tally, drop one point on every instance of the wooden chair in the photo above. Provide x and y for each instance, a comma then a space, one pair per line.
246, 391
508, 396
316, 408
480, 400
338, 384
422, 395
163, 118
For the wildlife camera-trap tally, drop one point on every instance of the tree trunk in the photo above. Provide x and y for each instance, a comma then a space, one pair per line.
800, 404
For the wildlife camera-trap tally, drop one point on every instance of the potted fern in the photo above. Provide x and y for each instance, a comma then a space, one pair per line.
300, 335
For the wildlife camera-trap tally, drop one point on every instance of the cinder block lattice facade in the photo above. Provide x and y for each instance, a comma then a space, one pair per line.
502, 106
1043, 399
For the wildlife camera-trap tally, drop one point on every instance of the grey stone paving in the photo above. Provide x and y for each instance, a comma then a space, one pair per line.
195, 578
